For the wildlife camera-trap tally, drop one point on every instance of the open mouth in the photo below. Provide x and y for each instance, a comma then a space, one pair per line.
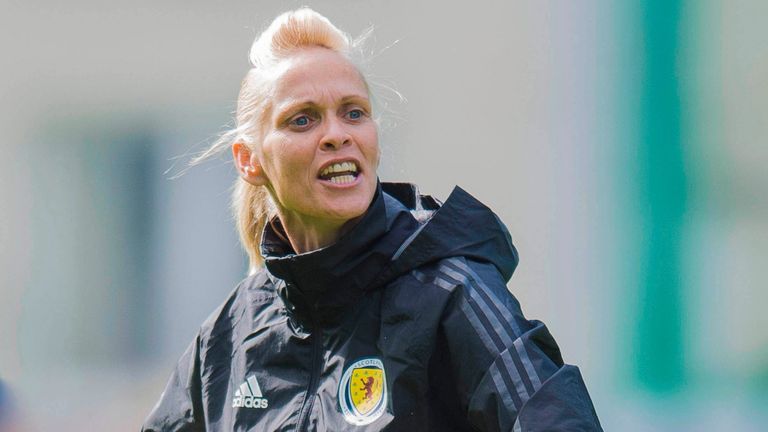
340, 173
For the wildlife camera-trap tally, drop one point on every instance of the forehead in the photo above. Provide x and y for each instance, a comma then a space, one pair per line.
317, 75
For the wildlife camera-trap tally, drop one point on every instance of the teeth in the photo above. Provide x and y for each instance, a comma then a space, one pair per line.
343, 179
339, 167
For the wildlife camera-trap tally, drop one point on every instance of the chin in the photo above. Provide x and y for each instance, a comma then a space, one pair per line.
349, 210
351, 207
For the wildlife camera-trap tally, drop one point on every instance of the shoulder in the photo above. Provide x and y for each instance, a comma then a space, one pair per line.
460, 283
477, 302
249, 298
462, 276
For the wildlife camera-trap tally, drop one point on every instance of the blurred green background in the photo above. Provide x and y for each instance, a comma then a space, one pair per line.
623, 143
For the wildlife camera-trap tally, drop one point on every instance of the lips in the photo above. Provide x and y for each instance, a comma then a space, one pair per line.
341, 172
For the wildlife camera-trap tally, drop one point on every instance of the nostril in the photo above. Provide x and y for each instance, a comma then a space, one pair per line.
334, 141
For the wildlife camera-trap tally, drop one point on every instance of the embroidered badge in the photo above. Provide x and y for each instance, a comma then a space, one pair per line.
363, 391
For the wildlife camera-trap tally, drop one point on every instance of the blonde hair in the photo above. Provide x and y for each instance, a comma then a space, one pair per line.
289, 32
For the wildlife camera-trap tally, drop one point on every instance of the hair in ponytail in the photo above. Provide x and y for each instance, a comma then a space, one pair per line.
289, 32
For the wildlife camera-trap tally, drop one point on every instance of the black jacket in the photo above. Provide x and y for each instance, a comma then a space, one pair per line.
404, 324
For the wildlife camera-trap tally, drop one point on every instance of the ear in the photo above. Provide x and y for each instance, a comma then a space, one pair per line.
248, 165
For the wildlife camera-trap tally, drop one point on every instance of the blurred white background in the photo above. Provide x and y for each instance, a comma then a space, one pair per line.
623, 145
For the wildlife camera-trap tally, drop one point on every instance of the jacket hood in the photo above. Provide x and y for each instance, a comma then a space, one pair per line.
462, 226
400, 231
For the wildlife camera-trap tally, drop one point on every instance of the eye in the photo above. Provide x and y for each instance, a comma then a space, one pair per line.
300, 122
355, 114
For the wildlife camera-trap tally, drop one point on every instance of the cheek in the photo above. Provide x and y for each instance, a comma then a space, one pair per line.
281, 156
371, 148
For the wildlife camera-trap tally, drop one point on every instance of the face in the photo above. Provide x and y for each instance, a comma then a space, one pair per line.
320, 148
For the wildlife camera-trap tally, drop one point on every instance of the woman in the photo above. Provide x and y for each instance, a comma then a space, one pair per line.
369, 306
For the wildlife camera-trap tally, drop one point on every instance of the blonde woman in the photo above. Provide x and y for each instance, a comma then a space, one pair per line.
369, 306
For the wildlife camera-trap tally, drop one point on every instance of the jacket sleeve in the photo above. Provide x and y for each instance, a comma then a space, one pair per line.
508, 370
180, 407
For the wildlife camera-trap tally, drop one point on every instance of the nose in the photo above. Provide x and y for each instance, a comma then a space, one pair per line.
336, 135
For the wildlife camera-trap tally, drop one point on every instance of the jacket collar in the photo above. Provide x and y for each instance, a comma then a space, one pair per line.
386, 243
321, 283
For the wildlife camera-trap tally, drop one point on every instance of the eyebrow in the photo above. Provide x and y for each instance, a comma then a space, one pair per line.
291, 107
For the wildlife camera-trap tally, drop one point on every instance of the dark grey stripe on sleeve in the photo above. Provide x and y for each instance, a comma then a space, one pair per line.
493, 315
512, 372
469, 313
499, 308
493, 300
501, 320
498, 383
532, 374
484, 322
522, 391
513, 401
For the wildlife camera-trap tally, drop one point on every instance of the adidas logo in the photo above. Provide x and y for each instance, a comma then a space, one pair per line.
249, 395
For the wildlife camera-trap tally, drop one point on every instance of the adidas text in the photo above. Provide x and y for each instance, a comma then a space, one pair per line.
249, 402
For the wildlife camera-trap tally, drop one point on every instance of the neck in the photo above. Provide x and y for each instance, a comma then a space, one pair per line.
306, 235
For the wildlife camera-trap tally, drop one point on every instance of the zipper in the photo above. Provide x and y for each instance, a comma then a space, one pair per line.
309, 399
